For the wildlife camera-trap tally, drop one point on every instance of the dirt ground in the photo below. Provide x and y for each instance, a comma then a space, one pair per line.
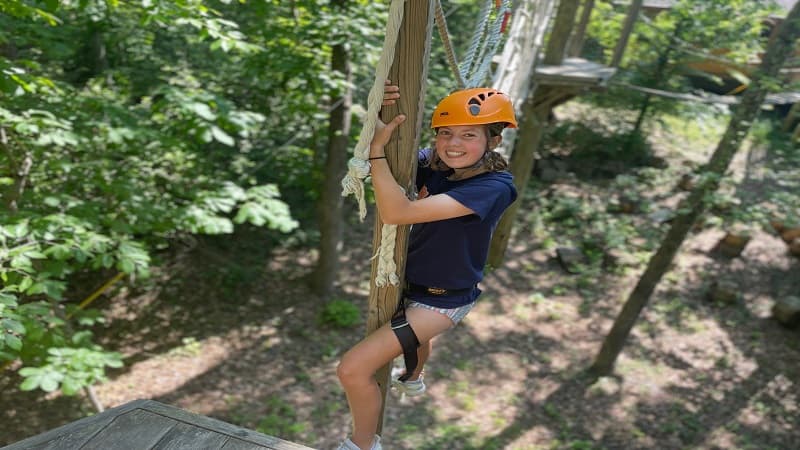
228, 328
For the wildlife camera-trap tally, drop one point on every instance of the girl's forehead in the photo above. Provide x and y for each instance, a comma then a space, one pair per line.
462, 128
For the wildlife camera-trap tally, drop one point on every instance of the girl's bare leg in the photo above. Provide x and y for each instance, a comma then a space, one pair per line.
358, 366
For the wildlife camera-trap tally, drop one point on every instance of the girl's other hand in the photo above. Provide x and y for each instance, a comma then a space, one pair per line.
391, 93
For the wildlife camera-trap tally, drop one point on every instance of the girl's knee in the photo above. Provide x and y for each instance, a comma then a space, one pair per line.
348, 370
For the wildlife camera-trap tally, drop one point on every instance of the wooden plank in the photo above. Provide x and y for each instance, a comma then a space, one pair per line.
187, 436
221, 427
145, 424
74, 434
575, 71
134, 430
238, 444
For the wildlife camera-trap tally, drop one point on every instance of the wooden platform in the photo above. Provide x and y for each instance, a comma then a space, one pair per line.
575, 72
147, 424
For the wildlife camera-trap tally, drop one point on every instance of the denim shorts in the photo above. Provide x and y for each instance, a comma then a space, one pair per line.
454, 314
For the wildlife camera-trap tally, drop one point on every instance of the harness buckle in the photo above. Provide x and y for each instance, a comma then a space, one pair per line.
436, 291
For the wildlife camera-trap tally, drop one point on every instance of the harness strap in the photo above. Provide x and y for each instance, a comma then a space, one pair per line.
408, 339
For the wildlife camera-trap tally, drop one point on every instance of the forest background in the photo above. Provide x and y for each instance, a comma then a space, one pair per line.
175, 152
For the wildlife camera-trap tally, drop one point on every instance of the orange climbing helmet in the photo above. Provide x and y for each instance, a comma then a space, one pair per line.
476, 106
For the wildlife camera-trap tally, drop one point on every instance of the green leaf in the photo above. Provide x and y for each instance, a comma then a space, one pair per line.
202, 110
8, 300
221, 136
13, 342
70, 386
50, 381
126, 265
25, 284
30, 383
13, 326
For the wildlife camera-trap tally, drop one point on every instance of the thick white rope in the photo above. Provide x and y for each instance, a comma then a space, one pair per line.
386, 271
358, 166
441, 25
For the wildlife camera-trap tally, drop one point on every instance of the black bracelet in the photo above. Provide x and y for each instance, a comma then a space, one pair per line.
376, 157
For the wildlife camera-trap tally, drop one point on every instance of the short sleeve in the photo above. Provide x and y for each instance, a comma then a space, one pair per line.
486, 196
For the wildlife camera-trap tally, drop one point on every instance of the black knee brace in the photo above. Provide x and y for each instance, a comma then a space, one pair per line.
408, 339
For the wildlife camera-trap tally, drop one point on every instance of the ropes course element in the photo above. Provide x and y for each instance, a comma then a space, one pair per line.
358, 166
441, 25
472, 72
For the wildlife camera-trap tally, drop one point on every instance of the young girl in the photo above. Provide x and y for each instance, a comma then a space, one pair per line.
464, 187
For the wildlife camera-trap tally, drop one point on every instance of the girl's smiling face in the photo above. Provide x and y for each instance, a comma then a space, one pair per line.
461, 146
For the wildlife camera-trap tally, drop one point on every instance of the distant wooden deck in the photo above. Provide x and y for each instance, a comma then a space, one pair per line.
146, 425
575, 72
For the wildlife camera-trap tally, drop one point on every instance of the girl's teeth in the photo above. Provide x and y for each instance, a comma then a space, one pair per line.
455, 154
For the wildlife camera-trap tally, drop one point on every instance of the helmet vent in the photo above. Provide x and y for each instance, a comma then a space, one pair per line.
474, 109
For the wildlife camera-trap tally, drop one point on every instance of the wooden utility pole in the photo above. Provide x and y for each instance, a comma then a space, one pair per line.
409, 71
690, 209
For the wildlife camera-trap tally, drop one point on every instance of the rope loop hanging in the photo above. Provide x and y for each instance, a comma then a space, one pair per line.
358, 166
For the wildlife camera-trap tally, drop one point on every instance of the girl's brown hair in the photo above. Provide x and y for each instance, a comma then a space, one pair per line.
491, 160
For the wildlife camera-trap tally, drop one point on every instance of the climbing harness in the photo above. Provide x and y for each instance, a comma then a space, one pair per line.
408, 339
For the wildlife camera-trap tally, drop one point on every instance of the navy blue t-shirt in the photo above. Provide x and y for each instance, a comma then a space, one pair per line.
451, 253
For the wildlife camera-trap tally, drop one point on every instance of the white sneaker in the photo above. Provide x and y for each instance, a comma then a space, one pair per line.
411, 388
349, 445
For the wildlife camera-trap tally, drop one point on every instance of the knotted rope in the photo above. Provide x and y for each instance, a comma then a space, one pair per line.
386, 272
358, 166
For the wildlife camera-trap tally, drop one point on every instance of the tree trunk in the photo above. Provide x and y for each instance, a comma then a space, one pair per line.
410, 71
579, 36
627, 28
658, 78
532, 126
329, 206
559, 35
743, 116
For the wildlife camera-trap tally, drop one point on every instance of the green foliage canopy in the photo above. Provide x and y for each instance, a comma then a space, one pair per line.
126, 124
